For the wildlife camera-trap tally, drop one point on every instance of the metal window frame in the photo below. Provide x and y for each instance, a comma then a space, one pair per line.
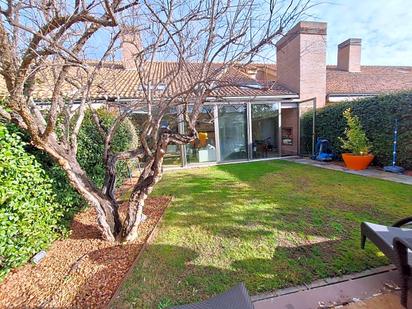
249, 130
248, 105
217, 136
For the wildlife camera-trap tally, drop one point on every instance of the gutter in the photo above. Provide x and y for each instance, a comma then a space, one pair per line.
208, 99
338, 97
243, 98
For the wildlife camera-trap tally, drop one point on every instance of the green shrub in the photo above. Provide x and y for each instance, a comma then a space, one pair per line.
355, 139
377, 116
37, 201
29, 213
90, 150
66, 196
64, 193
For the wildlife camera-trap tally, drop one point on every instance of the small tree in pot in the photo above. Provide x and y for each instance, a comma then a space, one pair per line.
356, 142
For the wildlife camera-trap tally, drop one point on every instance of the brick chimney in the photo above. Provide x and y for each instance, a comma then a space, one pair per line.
130, 46
349, 55
301, 60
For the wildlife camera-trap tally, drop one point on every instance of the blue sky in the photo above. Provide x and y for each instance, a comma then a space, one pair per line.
385, 27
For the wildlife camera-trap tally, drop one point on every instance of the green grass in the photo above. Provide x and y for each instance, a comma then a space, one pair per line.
269, 224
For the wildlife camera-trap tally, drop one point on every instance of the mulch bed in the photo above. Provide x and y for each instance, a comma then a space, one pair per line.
81, 271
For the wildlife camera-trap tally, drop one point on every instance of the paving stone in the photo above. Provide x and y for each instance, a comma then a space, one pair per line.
370, 172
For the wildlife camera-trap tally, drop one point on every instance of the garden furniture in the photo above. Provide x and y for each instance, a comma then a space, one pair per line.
402, 248
236, 298
392, 241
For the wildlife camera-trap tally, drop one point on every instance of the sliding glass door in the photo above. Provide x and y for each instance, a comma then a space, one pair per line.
233, 132
173, 154
265, 130
203, 149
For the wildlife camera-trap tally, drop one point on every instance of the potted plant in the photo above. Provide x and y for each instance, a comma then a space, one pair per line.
356, 142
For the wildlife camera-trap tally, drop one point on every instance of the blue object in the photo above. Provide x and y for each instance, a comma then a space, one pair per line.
323, 150
394, 168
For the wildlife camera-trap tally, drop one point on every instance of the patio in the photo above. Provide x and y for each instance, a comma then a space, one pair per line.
370, 172
376, 288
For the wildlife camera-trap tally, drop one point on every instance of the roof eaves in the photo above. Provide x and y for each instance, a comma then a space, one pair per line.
256, 97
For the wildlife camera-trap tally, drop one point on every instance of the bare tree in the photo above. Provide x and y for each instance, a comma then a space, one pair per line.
50, 40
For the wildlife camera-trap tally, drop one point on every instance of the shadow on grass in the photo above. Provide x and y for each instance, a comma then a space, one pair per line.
169, 275
252, 205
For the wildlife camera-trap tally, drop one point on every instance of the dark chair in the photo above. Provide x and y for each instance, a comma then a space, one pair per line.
402, 248
235, 298
383, 237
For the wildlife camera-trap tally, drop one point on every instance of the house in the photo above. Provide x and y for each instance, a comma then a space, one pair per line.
257, 115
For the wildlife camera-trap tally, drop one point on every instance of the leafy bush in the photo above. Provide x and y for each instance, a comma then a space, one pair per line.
90, 150
377, 116
29, 212
37, 202
356, 141
64, 193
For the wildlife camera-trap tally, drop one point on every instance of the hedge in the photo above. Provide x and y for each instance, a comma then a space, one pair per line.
377, 116
29, 211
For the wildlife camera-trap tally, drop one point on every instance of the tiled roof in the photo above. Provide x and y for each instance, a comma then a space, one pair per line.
370, 80
114, 81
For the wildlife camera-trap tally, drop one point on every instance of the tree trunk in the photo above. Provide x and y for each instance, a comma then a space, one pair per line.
110, 178
109, 190
151, 175
106, 208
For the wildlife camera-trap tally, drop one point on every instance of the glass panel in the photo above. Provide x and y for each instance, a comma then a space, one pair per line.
289, 132
307, 116
170, 121
265, 127
233, 132
173, 154
203, 149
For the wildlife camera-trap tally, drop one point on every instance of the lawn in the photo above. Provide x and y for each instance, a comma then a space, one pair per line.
269, 224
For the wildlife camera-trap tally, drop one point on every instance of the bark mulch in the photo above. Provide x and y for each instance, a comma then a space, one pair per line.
81, 271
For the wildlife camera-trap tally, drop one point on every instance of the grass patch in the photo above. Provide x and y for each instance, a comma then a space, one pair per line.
269, 224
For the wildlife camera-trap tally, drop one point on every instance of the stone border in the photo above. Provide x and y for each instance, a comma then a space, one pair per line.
148, 241
323, 282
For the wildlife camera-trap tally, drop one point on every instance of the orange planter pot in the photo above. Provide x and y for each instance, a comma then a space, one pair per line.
358, 163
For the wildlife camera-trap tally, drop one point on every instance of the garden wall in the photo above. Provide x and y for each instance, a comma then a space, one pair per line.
377, 116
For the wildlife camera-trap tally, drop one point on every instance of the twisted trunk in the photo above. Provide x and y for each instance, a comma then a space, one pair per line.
108, 190
106, 208
150, 176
